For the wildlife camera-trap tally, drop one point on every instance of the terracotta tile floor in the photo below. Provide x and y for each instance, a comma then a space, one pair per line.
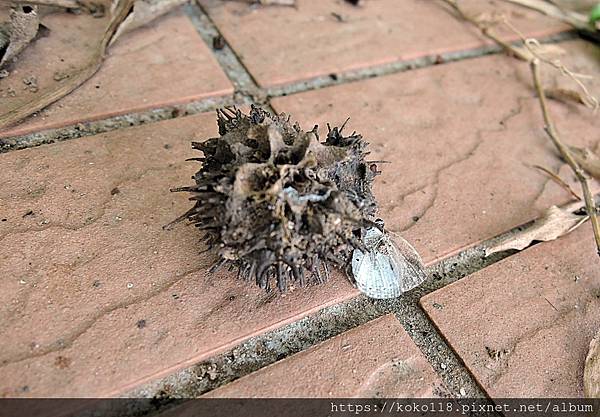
98, 299
377, 359
523, 325
350, 37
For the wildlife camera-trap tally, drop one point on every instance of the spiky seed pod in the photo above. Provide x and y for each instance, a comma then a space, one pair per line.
279, 204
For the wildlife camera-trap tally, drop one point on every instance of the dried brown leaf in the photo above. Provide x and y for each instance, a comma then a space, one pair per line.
18, 32
591, 372
145, 11
588, 160
556, 222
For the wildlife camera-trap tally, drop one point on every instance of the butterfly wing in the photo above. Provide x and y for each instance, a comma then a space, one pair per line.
374, 275
407, 263
391, 267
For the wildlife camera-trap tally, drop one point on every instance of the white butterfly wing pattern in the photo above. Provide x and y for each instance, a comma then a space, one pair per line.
389, 268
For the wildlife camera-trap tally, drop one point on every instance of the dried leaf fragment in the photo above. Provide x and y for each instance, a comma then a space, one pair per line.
556, 222
591, 372
18, 32
588, 160
145, 11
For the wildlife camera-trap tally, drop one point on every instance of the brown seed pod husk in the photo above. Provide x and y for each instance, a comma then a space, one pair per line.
277, 202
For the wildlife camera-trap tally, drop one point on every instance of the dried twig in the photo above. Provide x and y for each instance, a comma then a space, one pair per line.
487, 31
566, 154
533, 47
575, 19
559, 181
23, 110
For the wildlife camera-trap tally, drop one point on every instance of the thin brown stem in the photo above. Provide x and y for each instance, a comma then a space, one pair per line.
559, 181
566, 153
486, 31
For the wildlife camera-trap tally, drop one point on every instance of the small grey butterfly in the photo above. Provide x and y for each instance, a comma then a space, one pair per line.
390, 268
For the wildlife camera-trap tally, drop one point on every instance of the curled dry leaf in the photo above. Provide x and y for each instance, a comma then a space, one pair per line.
555, 223
18, 32
143, 12
588, 160
591, 372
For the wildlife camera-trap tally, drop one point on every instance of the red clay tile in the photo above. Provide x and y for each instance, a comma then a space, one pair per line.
461, 140
161, 64
85, 260
377, 359
523, 326
284, 44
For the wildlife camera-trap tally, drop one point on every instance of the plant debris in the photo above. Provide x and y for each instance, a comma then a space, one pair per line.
143, 12
21, 29
558, 181
588, 160
535, 58
95, 8
543, 50
591, 372
126, 15
31, 84
280, 205
79, 76
218, 42
555, 222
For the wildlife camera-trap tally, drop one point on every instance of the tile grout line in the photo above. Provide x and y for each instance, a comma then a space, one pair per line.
245, 87
400, 66
96, 127
246, 90
273, 346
